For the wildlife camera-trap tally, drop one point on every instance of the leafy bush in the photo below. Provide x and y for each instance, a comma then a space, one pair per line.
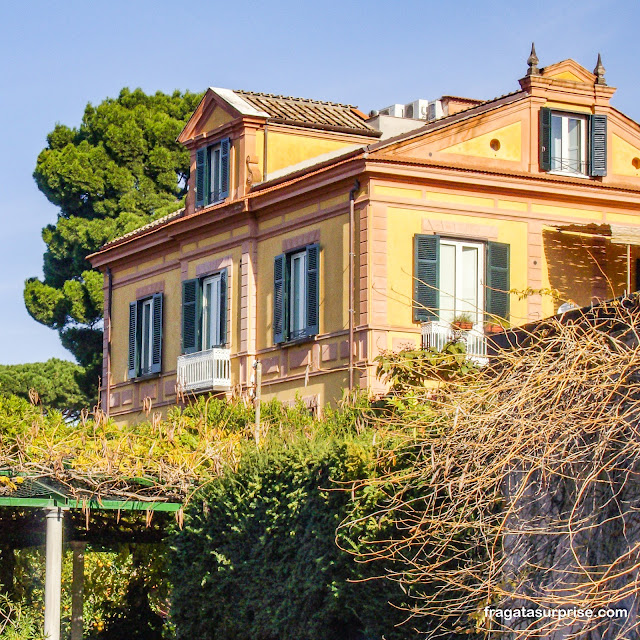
18, 622
258, 558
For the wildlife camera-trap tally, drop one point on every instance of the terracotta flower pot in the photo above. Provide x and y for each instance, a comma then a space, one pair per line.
494, 328
463, 326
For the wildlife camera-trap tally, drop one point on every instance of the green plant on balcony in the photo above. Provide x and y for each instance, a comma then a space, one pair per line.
462, 322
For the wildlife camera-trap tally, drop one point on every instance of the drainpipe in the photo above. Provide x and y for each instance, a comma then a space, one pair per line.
264, 153
628, 269
108, 330
352, 207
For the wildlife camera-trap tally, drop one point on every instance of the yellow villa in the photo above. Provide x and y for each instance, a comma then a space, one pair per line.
315, 236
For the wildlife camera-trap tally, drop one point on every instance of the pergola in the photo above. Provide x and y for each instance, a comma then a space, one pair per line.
57, 499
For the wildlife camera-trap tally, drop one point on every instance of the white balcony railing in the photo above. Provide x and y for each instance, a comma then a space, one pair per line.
205, 370
435, 335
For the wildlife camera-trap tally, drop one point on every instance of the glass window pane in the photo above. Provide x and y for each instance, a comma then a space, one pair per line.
147, 336
556, 142
215, 174
573, 144
447, 282
211, 312
468, 279
214, 315
297, 294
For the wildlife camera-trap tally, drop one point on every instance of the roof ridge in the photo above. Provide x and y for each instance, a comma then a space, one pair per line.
273, 95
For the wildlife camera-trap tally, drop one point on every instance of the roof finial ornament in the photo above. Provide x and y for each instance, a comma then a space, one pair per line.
599, 71
532, 61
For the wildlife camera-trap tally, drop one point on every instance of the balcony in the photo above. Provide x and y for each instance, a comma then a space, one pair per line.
435, 335
208, 370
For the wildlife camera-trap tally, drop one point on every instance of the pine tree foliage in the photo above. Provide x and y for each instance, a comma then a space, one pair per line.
120, 169
55, 382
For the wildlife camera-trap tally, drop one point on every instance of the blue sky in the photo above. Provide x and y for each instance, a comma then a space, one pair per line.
57, 56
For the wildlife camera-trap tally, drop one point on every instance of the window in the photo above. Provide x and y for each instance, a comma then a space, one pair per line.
454, 277
204, 312
573, 143
296, 294
212, 173
461, 279
145, 336
568, 143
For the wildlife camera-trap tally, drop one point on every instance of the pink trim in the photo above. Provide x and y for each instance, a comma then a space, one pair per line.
397, 344
206, 268
150, 289
271, 365
169, 387
330, 352
298, 358
149, 390
461, 229
311, 237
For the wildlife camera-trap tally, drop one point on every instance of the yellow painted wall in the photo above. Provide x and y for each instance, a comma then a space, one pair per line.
622, 157
568, 106
126, 294
566, 75
333, 264
287, 149
217, 118
404, 223
329, 387
509, 140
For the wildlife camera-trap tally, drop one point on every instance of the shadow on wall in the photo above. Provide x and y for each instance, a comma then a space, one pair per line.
587, 269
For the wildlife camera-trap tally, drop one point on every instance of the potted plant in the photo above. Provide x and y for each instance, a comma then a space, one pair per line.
495, 326
462, 322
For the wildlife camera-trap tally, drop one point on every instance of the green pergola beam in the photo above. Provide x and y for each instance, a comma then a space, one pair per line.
112, 505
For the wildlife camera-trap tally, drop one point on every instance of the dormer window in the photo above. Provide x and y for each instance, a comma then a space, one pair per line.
569, 144
573, 144
212, 173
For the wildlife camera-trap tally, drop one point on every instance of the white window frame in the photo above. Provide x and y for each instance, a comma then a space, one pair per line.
211, 335
478, 313
298, 266
215, 173
567, 170
146, 335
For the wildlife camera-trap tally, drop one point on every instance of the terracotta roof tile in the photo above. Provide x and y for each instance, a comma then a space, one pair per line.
311, 113
160, 222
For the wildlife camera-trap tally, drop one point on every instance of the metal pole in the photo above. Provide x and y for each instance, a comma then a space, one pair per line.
258, 366
352, 208
53, 574
107, 328
77, 590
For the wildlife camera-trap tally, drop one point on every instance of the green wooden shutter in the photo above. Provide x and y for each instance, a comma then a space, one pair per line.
224, 169
279, 299
191, 305
545, 139
223, 307
497, 287
598, 155
313, 290
426, 272
201, 171
133, 340
156, 346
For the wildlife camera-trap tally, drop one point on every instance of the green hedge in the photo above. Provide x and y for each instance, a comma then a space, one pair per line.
257, 558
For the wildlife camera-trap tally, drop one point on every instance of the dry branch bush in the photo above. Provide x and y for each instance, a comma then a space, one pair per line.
97, 459
521, 487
